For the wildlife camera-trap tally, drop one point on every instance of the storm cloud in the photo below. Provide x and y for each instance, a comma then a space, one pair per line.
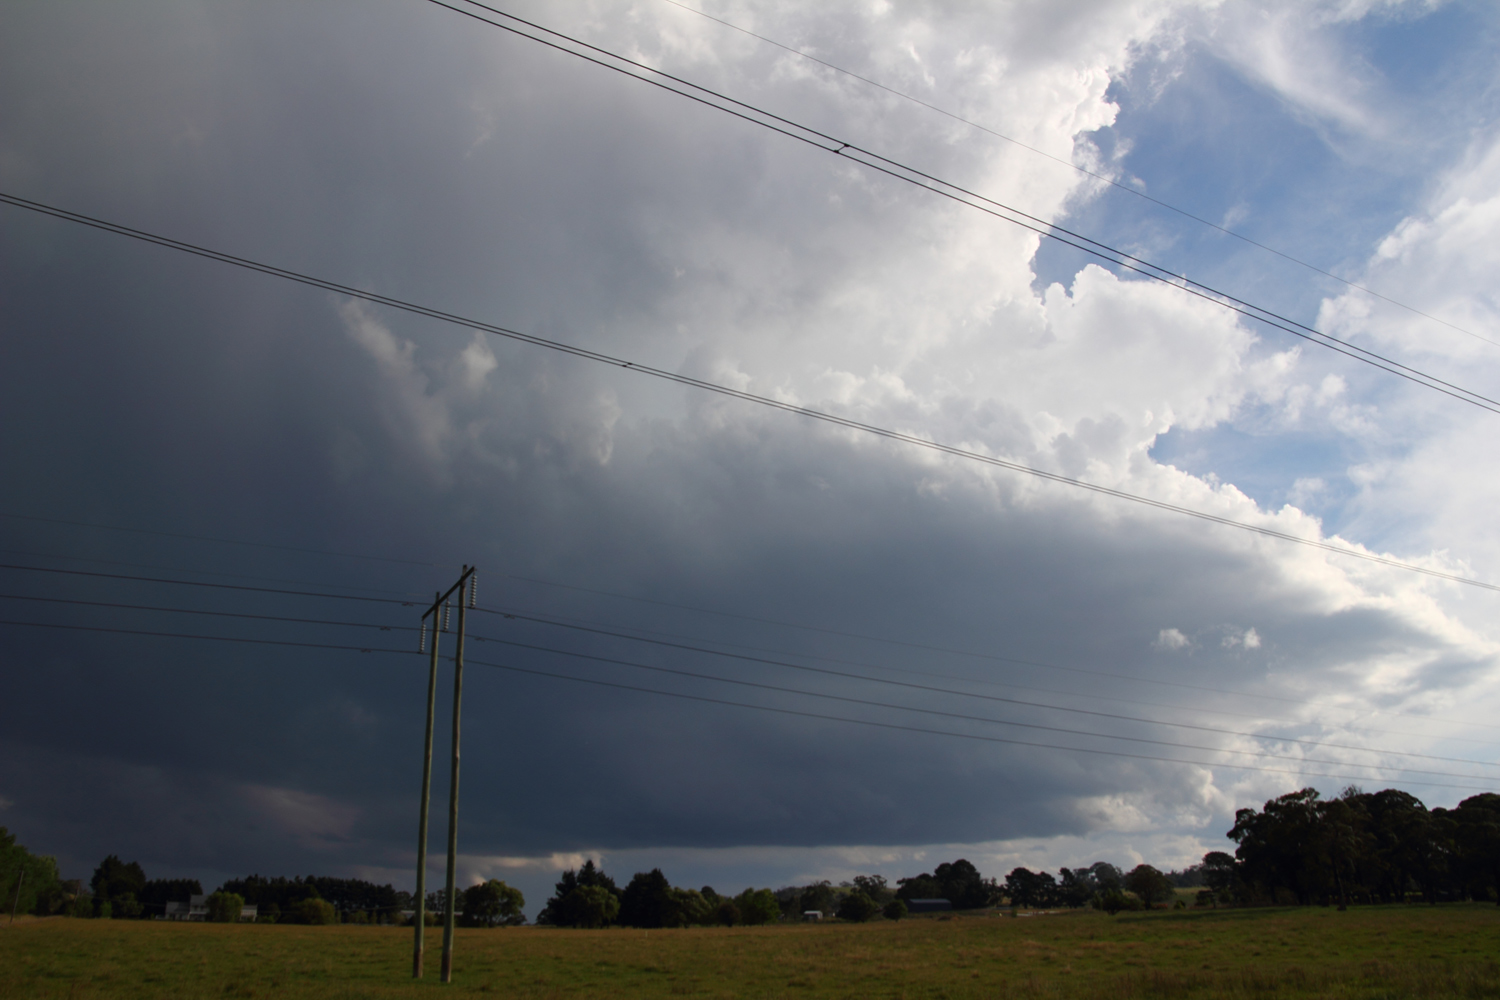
267, 434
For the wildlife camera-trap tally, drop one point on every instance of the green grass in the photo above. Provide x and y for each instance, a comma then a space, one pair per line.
1374, 952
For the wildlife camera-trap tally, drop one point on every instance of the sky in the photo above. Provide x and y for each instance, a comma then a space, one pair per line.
730, 641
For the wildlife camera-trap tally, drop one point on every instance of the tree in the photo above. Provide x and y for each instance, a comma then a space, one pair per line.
591, 906
874, 886
857, 906
1149, 885
692, 907
1106, 875
224, 907
1112, 901
1030, 889
1476, 835
312, 911
1274, 845
493, 904
1221, 873
959, 882
279, 895
565, 909
1076, 887
817, 896
648, 901
113, 881
758, 906
895, 909
28, 882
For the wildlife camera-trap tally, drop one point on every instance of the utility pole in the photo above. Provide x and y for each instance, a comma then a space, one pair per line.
420, 918
441, 604
465, 597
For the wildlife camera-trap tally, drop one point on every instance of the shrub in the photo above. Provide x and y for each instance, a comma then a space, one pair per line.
895, 909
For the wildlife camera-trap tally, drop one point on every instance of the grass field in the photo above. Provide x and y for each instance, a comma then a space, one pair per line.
1376, 952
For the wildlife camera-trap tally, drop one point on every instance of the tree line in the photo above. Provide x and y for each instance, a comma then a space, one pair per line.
1361, 847
1358, 848
120, 890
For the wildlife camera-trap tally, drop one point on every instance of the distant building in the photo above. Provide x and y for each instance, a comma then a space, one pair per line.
812, 914
927, 905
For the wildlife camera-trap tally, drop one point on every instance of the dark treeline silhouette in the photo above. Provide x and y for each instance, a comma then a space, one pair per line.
588, 897
1358, 848
1362, 847
352, 900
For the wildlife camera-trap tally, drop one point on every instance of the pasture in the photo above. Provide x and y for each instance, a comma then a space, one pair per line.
1370, 952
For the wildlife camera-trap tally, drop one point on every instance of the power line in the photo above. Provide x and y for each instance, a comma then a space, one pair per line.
938, 690
943, 732
765, 708
1083, 170
207, 638
94, 560
853, 635
215, 586
592, 628
199, 611
1001, 722
829, 418
753, 659
209, 538
926, 647
637, 632
954, 192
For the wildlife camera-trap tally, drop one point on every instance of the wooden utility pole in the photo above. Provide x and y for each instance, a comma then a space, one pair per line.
420, 918
441, 606
450, 902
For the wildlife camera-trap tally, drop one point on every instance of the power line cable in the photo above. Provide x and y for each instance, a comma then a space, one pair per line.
1112, 182
698, 649
856, 635
94, 560
926, 647
724, 390
209, 538
943, 732
591, 628
636, 632
214, 586
764, 708
954, 192
199, 611
964, 694
207, 638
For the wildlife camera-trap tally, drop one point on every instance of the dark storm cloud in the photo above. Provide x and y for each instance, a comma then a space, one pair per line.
438, 163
